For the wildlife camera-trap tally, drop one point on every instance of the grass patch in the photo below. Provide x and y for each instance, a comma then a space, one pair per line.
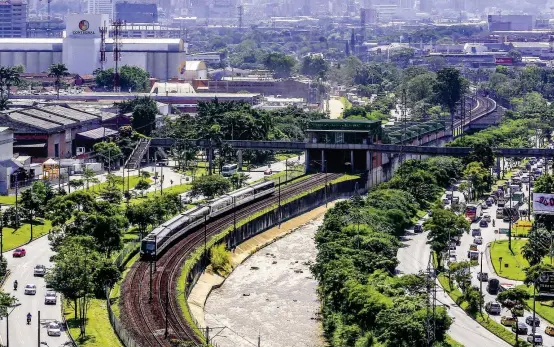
346, 103
451, 342
285, 156
116, 290
515, 260
99, 329
13, 238
132, 181
7, 200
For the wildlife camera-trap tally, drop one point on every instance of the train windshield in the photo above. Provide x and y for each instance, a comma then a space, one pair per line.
148, 246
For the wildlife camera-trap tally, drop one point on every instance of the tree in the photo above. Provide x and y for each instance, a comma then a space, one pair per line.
479, 178
473, 297
239, 180
481, 153
35, 199
59, 210
141, 216
109, 151
537, 246
280, 64
210, 186
515, 55
89, 176
131, 78
513, 297
533, 273
544, 184
314, 65
461, 273
76, 183
9, 76
144, 111
4, 103
6, 301
58, 71
443, 226
112, 194
450, 88
142, 185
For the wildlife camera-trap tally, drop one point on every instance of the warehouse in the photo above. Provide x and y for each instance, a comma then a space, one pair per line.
81, 45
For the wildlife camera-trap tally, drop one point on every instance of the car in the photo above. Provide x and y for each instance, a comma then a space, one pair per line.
493, 307
520, 328
493, 286
508, 321
549, 330
50, 298
40, 270
457, 240
535, 339
487, 218
268, 171
473, 247
488, 202
452, 246
418, 228
529, 320
54, 329
476, 232
31, 289
483, 276
483, 223
19, 252
452, 259
478, 240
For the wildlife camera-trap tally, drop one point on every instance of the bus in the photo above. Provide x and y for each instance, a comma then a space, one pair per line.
511, 210
473, 211
229, 170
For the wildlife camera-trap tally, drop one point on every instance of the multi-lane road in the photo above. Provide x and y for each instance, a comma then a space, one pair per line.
22, 270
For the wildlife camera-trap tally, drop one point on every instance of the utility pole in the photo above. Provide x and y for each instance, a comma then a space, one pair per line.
205, 237
286, 170
325, 167
481, 286
429, 330
166, 313
150, 296
510, 225
38, 328
16, 205
32, 213
534, 327
279, 210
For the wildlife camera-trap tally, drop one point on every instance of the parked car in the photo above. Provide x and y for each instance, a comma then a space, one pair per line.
483, 223
40, 270
31, 289
19, 252
493, 286
529, 320
549, 330
476, 232
535, 339
54, 329
520, 328
50, 298
508, 321
493, 307
418, 228
483, 276
478, 240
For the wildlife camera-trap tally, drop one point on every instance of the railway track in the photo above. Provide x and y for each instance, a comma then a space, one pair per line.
144, 318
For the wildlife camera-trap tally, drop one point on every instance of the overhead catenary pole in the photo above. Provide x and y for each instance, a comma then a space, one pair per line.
279, 210
166, 313
38, 328
481, 285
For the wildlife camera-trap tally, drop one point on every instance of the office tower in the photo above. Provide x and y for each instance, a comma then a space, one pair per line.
13, 18
100, 7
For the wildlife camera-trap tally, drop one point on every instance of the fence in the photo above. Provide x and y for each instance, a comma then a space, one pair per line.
124, 336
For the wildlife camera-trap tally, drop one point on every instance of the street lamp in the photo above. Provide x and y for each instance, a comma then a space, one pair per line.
8, 322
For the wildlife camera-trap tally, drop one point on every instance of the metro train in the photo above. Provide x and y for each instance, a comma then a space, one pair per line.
163, 236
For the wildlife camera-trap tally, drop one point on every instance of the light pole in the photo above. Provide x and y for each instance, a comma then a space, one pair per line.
481, 285
8, 322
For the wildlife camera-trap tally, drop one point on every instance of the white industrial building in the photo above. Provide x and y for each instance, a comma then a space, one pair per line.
80, 48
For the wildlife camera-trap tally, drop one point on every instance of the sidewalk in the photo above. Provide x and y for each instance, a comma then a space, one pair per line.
209, 281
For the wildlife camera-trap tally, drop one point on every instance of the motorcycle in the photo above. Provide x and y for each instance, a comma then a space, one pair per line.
15, 286
493, 222
28, 320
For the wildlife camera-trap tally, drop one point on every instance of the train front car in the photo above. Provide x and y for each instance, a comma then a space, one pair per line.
148, 247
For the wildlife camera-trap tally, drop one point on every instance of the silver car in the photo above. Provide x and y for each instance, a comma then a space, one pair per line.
40, 270
50, 298
54, 329
31, 289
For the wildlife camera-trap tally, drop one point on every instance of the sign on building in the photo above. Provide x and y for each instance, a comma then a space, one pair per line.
543, 203
545, 284
504, 61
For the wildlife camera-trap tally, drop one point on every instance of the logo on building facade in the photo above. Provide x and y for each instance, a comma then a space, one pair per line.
83, 29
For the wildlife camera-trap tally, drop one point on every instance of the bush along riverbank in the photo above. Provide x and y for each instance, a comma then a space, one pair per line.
362, 301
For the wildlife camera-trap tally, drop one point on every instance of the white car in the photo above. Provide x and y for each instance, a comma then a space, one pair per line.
31, 289
40, 270
487, 218
478, 240
50, 298
54, 329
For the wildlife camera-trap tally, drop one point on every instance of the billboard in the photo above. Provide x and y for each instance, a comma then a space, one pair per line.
545, 284
543, 203
504, 61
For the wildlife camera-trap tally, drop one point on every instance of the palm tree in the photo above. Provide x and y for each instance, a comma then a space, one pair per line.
4, 103
58, 71
12, 78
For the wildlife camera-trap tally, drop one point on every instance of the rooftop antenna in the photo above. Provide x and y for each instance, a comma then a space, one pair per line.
103, 30
117, 26
241, 14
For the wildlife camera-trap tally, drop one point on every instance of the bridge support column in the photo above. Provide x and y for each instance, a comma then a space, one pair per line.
239, 159
497, 167
210, 161
307, 161
369, 168
323, 160
352, 161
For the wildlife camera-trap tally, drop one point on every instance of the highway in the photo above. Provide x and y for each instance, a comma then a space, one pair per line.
21, 334
413, 258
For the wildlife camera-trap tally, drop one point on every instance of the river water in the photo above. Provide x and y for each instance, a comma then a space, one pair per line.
271, 296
